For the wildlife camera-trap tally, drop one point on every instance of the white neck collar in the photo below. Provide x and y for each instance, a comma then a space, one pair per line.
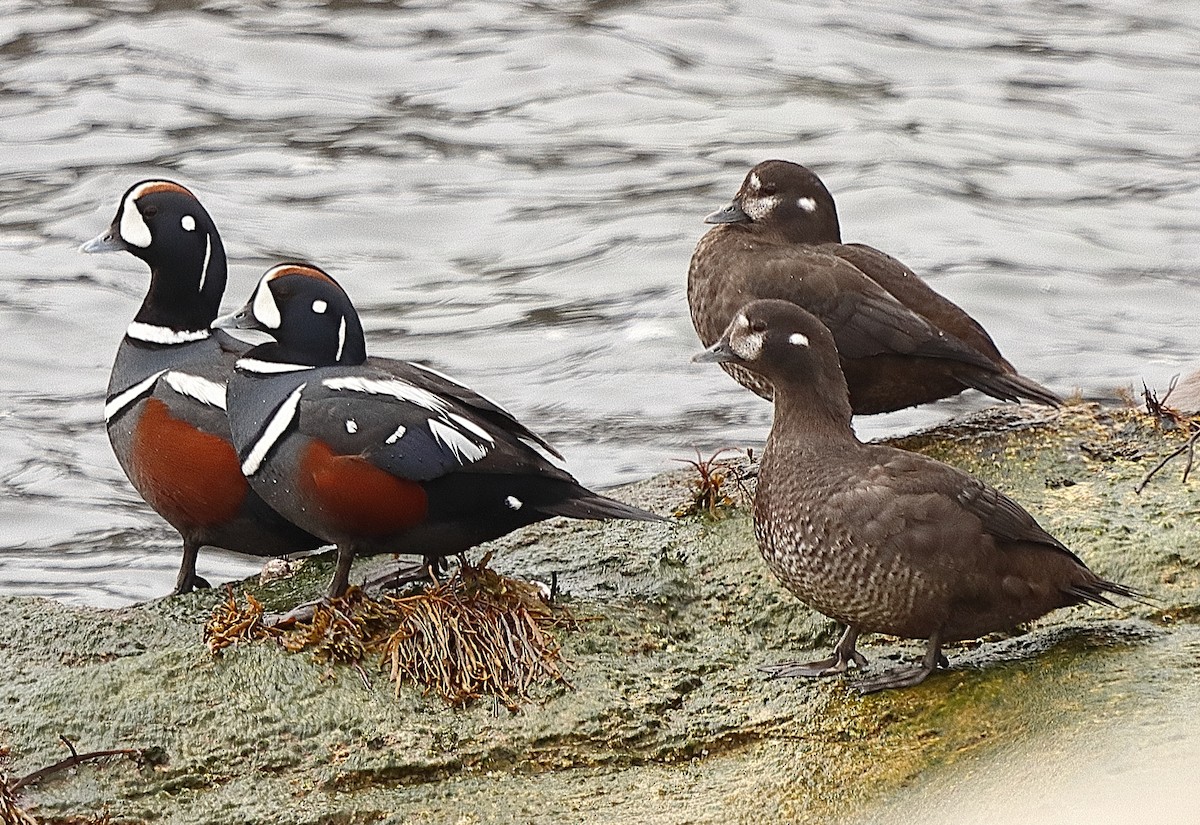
164, 335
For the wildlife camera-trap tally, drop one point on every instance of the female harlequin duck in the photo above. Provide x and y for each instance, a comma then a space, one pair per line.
880, 539
165, 409
376, 455
901, 343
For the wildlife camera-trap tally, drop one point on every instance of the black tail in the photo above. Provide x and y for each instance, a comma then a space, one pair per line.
1094, 591
591, 505
1008, 386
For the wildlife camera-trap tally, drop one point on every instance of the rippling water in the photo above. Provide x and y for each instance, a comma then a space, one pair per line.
512, 191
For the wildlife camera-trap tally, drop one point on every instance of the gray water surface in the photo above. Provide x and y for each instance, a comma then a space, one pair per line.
511, 192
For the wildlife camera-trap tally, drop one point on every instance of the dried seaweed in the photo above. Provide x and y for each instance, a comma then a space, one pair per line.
11, 811
1172, 419
475, 634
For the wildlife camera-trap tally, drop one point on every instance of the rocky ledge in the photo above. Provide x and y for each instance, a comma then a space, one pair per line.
667, 719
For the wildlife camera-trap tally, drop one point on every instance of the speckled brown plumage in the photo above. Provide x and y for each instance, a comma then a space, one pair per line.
900, 343
880, 539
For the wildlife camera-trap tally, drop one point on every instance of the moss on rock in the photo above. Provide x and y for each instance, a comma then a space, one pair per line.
669, 719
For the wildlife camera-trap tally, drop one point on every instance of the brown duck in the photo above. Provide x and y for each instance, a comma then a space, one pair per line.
880, 539
901, 343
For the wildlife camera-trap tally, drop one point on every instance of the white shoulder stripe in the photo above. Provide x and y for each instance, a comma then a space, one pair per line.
401, 390
457, 383
275, 429
164, 335
464, 449
268, 367
126, 397
201, 389
472, 426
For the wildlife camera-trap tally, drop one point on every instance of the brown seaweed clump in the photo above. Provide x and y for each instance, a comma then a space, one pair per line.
11, 812
475, 634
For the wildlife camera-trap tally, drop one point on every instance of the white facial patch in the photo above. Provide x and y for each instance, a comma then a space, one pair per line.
807, 204
759, 208
133, 226
275, 429
755, 182
123, 399
264, 307
514, 503
397, 435
320, 306
745, 344
798, 339
351, 426
464, 449
188, 223
396, 388
197, 388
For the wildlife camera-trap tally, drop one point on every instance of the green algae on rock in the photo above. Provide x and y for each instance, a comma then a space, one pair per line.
669, 720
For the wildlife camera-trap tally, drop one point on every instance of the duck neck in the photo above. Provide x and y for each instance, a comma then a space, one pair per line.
186, 297
811, 419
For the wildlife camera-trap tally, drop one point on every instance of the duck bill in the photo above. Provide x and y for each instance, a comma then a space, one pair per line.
718, 353
731, 213
107, 241
240, 319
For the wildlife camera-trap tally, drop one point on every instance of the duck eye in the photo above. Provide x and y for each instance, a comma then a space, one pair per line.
768, 189
150, 211
758, 326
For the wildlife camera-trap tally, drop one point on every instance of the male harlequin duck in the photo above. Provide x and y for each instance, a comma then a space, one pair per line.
376, 455
901, 343
165, 410
880, 539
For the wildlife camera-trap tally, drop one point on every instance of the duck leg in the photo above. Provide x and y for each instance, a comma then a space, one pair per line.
906, 677
187, 580
844, 653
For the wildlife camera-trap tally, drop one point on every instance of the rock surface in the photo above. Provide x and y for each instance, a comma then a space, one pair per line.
669, 720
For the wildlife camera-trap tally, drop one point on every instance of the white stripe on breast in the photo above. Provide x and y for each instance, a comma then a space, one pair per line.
275, 429
124, 398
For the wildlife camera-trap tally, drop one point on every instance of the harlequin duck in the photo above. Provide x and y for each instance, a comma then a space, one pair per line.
377, 455
165, 409
880, 539
901, 343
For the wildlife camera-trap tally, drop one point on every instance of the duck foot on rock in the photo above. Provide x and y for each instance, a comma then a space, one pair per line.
905, 677
844, 653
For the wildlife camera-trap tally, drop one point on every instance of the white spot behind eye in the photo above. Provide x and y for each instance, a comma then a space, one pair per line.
188, 223
807, 204
351, 425
264, 306
514, 503
320, 306
133, 225
798, 339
